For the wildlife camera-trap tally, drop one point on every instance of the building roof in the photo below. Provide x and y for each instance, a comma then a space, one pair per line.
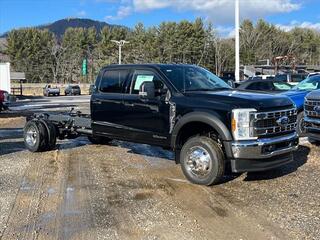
17, 75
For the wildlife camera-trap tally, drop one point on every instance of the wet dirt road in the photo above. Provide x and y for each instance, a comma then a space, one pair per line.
134, 191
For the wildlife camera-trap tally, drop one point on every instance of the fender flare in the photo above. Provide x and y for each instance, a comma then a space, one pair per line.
209, 118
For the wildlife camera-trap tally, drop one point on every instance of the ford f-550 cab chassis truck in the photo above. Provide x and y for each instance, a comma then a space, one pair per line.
185, 108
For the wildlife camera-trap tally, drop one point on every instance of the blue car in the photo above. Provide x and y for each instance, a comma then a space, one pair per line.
297, 95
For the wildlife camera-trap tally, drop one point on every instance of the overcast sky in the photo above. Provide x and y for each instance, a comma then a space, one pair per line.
285, 13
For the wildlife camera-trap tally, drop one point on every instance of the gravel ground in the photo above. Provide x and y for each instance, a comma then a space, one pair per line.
134, 191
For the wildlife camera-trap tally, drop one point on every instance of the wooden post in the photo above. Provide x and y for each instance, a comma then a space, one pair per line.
20, 87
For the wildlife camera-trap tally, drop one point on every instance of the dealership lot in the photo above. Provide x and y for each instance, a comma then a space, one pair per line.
134, 191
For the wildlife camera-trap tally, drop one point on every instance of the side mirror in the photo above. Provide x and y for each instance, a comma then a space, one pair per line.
92, 89
231, 83
147, 90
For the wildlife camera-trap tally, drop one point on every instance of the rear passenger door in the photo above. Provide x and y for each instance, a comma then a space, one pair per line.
107, 103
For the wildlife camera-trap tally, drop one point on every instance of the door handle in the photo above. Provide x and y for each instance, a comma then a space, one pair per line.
97, 101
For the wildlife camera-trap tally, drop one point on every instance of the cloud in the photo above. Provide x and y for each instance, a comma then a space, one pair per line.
123, 11
146, 5
220, 11
81, 13
293, 24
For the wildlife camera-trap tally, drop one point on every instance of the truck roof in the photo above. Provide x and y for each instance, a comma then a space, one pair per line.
147, 65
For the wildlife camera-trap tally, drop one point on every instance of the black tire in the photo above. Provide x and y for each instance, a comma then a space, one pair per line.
99, 140
40, 136
52, 135
301, 131
215, 172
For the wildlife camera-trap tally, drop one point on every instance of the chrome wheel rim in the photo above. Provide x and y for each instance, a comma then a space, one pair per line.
31, 136
198, 162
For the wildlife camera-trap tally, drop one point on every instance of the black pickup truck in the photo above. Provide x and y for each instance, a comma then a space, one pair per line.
312, 115
185, 108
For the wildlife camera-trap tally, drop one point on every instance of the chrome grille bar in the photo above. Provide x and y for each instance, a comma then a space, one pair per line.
265, 123
309, 108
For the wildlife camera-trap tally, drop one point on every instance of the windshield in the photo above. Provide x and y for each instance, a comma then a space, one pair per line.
282, 86
192, 78
309, 84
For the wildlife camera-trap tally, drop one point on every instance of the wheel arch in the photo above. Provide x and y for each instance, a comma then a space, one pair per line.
210, 119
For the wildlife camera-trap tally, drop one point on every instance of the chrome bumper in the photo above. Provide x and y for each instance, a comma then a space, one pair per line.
265, 147
312, 126
312, 121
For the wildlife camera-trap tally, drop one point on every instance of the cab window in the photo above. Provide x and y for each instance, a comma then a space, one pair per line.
260, 86
141, 76
112, 81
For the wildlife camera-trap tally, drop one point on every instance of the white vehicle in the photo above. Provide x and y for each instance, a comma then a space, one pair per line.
50, 90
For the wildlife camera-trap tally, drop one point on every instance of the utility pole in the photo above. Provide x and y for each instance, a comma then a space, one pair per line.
237, 41
120, 44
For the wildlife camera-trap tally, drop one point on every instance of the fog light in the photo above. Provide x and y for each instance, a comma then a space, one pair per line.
269, 149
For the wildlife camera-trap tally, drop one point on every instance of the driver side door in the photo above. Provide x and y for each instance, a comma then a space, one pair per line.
147, 119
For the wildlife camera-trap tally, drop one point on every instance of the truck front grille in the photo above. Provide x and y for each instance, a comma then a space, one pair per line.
269, 124
310, 108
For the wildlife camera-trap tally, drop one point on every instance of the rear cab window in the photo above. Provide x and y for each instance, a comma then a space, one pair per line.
112, 80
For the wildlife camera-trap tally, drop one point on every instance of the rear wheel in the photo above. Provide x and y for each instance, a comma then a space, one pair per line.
35, 136
202, 160
52, 135
99, 140
301, 131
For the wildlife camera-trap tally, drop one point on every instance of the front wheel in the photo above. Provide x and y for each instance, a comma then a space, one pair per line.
301, 130
202, 160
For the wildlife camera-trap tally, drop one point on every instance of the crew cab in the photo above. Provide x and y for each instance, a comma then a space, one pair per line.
4, 100
185, 108
312, 115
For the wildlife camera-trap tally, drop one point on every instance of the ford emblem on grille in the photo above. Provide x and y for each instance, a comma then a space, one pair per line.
283, 121
317, 109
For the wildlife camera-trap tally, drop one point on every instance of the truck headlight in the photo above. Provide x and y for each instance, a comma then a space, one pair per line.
241, 124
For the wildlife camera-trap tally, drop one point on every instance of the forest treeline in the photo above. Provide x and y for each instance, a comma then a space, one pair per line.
46, 58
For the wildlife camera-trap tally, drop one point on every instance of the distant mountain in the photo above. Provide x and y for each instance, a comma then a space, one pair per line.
60, 26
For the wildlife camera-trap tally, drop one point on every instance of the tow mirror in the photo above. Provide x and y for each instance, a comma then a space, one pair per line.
147, 90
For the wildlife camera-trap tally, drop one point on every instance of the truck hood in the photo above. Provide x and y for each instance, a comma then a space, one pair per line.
244, 99
293, 93
314, 95
296, 96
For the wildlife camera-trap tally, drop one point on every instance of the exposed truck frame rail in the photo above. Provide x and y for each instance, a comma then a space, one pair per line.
66, 125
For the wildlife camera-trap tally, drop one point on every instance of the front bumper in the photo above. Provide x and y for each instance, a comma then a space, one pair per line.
312, 127
263, 154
